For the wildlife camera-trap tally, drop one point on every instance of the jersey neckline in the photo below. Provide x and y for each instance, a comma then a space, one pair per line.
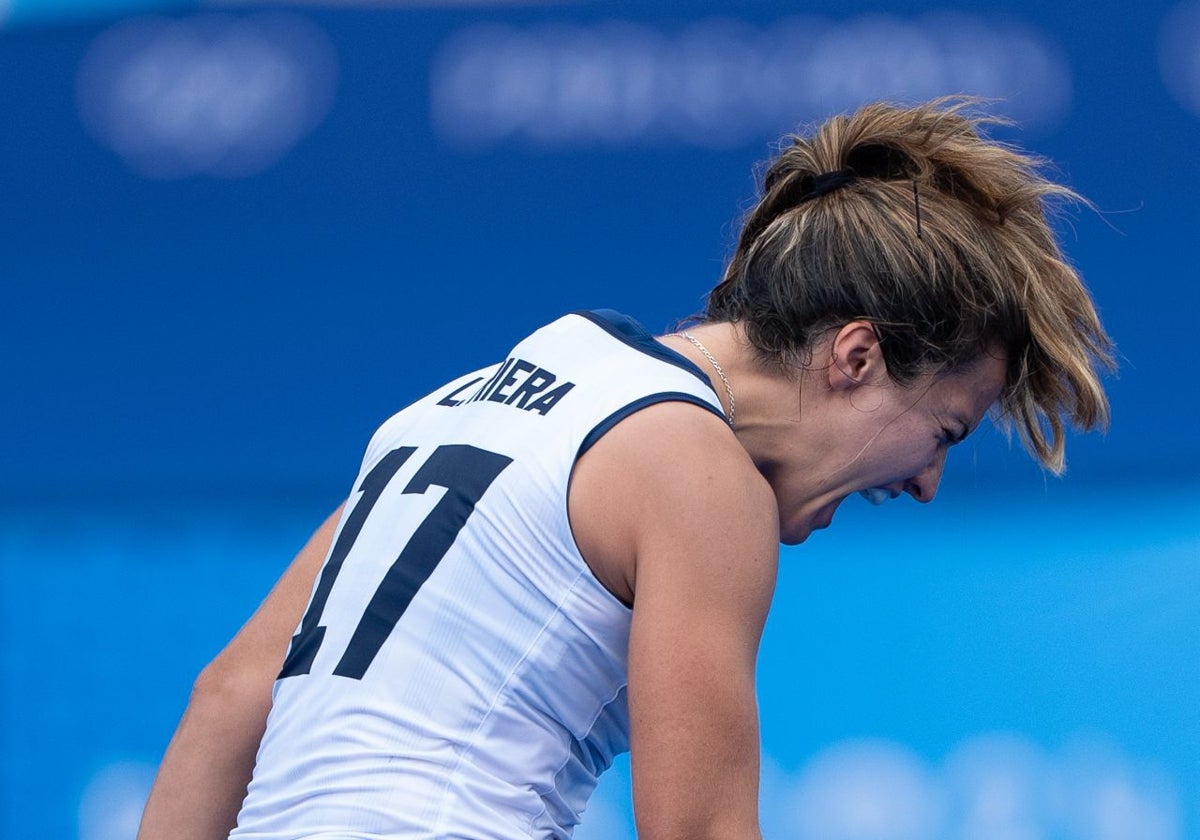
631, 332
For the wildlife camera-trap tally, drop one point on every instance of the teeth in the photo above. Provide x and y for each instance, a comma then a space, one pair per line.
876, 495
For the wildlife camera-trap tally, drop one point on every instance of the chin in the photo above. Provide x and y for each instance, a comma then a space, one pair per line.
794, 539
801, 529
796, 534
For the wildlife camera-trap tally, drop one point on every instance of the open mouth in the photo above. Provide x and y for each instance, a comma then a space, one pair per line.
878, 495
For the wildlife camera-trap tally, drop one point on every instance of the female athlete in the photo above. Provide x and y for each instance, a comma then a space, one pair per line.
572, 552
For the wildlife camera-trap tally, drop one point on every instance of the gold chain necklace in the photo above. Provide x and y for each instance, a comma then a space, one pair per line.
717, 367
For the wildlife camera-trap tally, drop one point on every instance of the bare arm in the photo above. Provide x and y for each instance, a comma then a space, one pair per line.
673, 500
203, 776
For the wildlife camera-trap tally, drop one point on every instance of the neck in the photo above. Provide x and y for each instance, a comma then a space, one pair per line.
768, 400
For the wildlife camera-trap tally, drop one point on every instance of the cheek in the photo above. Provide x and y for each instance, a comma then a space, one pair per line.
912, 451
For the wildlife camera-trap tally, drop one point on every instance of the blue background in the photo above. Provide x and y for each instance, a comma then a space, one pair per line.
195, 354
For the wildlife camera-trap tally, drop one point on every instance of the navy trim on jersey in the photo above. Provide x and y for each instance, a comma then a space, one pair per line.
627, 330
637, 405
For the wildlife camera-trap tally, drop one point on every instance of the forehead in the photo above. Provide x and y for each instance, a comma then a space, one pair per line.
972, 388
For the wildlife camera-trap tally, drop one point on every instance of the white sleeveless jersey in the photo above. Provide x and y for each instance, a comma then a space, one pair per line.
459, 671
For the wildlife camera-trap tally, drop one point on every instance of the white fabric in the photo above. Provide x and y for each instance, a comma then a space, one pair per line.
499, 695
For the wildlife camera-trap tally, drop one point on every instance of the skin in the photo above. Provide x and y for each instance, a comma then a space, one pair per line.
844, 425
671, 514
681, 517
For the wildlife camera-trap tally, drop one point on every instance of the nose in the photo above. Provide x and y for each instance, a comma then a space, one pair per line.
924, 485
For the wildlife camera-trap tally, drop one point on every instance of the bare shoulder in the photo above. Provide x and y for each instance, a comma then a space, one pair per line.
672, 485
669, 505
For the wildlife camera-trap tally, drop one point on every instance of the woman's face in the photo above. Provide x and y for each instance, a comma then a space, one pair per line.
879, 434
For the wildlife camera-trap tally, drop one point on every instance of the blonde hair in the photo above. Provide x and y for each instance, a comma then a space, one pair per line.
914, 220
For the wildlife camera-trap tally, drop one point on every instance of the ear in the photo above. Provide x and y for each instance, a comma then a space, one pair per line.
856, 358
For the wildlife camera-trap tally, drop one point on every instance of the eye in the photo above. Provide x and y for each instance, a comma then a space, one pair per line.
950, 438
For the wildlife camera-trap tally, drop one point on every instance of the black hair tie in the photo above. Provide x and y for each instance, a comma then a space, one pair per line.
815, 186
